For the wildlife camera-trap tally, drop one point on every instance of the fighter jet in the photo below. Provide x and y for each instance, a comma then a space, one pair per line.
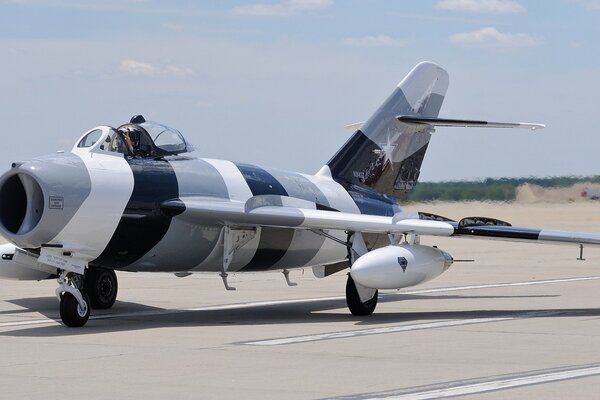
132, 199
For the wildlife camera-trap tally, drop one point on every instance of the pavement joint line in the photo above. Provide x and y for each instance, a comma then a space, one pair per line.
150, 313
398, 329
477, 386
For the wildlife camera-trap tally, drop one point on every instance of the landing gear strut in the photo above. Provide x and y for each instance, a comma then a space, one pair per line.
102, 286
361, 300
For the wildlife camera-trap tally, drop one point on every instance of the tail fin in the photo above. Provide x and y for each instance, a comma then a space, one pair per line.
385, 154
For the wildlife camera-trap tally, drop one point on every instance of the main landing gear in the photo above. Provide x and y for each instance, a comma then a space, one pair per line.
102, 286
78, 294
361, 300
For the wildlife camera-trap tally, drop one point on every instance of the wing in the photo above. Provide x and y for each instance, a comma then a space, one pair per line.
514, 233
288, 212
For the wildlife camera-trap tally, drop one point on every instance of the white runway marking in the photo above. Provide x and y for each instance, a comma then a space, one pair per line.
502, 383
150, 313
499, 285
45, 321
399, 328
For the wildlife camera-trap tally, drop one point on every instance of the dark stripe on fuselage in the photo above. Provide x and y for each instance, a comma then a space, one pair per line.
143, 224
260, 181
372, 202
273, 243
298, 186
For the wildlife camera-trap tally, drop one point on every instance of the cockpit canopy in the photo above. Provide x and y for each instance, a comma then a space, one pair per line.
166, 139
138, 138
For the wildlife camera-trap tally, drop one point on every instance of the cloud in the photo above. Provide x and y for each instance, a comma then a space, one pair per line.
133, 67
593, 5
481, 6
284, 9
374, 41
491, 38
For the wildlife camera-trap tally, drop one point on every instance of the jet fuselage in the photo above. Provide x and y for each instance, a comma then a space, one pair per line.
108, 210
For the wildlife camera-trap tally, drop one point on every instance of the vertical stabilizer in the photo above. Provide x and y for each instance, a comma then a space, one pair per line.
386, 154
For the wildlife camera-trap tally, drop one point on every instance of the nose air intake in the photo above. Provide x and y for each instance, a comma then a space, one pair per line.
21, 203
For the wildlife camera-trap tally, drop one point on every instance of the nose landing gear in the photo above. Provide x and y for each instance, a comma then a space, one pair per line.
72, 313
74, 303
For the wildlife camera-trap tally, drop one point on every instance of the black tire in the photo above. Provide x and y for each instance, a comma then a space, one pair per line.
71, 314
355, 305
101, 284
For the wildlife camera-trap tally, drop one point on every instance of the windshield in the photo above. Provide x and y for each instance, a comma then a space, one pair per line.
90, 139
167, 139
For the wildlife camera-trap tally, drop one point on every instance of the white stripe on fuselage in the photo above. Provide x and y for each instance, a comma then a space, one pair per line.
238, 190
237, 187
94, 224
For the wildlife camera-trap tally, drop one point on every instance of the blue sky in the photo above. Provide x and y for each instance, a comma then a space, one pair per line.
274, 82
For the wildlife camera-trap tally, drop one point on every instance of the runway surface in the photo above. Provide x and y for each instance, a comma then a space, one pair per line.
521, 322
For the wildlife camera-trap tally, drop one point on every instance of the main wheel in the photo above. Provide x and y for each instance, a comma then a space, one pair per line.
102, 286
71, 313
355, 304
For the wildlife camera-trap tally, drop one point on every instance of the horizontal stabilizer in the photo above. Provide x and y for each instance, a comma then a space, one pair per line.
465, 123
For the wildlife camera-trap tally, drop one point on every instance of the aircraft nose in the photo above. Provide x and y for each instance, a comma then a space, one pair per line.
21, 203
39, 197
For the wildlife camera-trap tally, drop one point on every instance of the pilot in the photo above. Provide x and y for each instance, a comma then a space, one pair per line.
132, 139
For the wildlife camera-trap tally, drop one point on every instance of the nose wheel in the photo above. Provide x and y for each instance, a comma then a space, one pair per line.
72, 313
75, 304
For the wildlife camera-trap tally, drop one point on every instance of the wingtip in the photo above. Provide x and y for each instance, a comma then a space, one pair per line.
535, 127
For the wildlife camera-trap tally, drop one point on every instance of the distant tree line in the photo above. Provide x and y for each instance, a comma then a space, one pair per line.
501, 189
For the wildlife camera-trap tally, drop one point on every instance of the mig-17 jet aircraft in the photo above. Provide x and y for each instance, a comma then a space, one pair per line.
131, 199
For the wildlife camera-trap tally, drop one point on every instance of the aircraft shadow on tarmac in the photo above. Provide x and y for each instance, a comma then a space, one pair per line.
130, 316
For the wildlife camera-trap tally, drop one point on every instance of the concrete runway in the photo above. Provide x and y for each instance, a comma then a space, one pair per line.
521, 322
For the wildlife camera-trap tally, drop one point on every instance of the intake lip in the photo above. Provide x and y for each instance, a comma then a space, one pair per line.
39, 197
21, 204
